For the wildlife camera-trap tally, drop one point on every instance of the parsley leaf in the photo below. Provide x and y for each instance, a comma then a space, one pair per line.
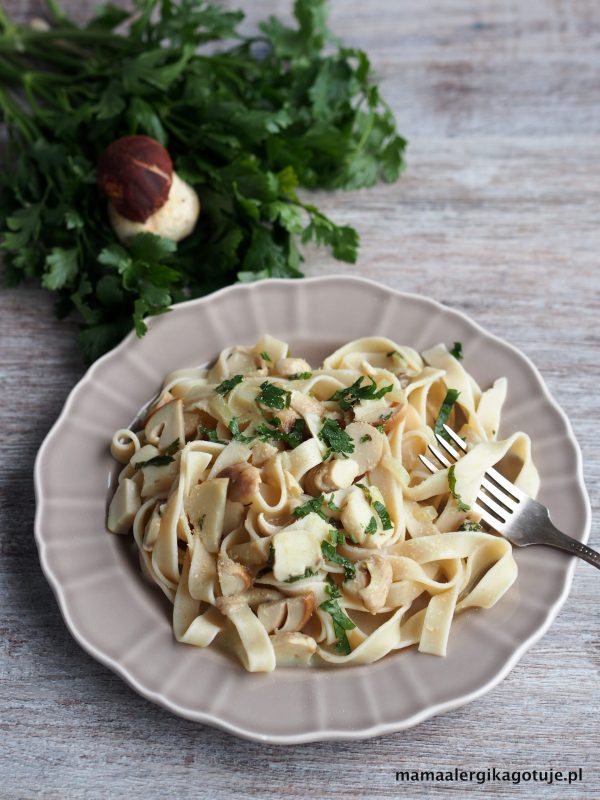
234, 427
271, 430
331, 554
246, 128
452, 486
457, 351
273, 396
365, 438
227, 385
308, 573
265, 356
172, 448
332, 505
371, 527
383, 515
156, 461
312, 505
341, 624
467, 525
351, 395
335, 438
332, 588
444, 412
210, 433
269, 563
300, 376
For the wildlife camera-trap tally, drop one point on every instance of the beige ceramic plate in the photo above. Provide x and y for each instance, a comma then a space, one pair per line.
125, 623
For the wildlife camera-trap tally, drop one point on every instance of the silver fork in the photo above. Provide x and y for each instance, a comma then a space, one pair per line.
508, 510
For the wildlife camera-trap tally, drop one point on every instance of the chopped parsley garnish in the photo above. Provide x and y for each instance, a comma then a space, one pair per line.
444, 412
271, 429
265, 356
366, 438
341, 624
160, 460
351, 395
331, 554
332, 589
210, 433
308, 573
311, 506
300, 376
467, 525
332, 505
201, 521
457, 351
273, 396
366, 491
336, 438
371, 527
234, 427
227, 385
393, 353
452, 486
383, 515
269, 564
337, 537
380, 428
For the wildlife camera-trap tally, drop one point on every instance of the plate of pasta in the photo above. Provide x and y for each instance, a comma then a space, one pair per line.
233, 514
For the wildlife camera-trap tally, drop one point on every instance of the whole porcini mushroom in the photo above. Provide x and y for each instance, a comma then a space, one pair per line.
146, 195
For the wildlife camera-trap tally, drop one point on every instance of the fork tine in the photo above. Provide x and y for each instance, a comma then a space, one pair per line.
499, 495
492, 473
431, 467
439, 455
502, 513
447, 447
488, 518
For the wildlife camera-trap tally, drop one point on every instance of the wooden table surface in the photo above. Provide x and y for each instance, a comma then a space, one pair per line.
496, 215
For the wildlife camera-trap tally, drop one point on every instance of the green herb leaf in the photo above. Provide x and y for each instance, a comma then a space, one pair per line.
300, 376
172, 448
308, 573
227, 385
383, 515
332, 505
335, 438
312, 505
273, 396
444, 412
452, 486
210, 433
457, 351
351, 395
341, 624
365, 438
265, 356
234, 427
270, 430
156, 461
331, 554
467, 525
371, 527
332, 588
269, 563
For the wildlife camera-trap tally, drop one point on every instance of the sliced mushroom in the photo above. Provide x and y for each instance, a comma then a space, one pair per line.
372, 582
244, 480
123, 507
339, 473
290, 614
165, 398
356, 516
368, 445
191, 421
304, 404
165, 425
261, 452
233, 578
233, 516
287, 419
291, 366
293, 649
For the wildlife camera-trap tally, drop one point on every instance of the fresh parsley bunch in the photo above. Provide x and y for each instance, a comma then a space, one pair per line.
246, 124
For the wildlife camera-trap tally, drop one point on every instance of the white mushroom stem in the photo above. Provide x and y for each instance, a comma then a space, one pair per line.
368, 445
336, 474
244, 480
372, 582
291, 366
293, 649
233, 578
175, 220
123, 507
290, 614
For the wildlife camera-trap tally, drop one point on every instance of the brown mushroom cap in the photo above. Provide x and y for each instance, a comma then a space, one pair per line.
135, 172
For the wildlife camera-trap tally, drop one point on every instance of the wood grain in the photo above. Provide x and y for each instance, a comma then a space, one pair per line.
496, 215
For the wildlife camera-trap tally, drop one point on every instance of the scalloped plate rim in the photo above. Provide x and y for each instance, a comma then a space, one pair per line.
319, 735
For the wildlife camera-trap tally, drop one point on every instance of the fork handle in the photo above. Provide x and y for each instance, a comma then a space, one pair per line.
556, 538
